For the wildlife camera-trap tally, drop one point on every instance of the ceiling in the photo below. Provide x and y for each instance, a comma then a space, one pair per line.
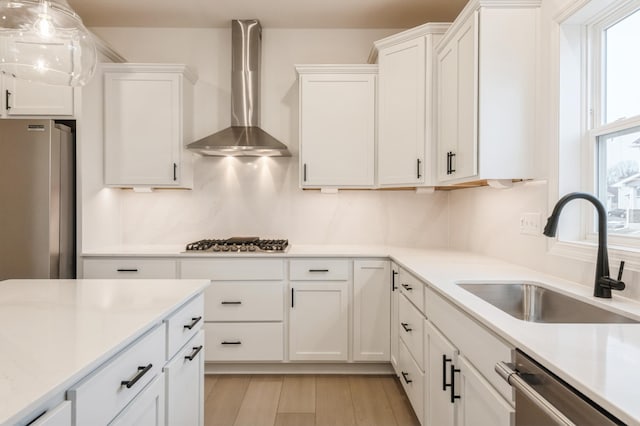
272, 13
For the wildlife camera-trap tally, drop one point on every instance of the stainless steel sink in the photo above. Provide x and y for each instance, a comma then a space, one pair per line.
531, 302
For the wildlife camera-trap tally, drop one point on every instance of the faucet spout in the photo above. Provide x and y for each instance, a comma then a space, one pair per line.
603, 282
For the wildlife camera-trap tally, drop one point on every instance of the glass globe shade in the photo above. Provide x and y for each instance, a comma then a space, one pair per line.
45, 41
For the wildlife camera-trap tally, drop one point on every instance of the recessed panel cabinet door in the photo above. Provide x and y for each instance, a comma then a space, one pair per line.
23, 97
337, 129
401, 113
185, 384
440, 353
318, 321
147, 409
143, 129
371, 310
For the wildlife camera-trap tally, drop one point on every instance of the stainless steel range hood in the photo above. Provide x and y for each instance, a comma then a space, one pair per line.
244, 137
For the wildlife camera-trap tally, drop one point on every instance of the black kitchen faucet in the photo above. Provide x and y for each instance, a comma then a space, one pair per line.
603, 283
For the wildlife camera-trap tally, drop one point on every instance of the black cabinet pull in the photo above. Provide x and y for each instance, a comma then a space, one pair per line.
175, 172
406, 327
304, 172
127, 269
393, 280
231, 343
445, 360
196, 350
407, 287
451, 169
404, 376
449, 162
454, 370
292, 293
231, 303
318, 270
141, 372
193, 323
7, 94
418, 162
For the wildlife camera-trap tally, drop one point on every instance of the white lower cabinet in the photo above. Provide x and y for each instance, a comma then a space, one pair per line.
461, 385
318, 321
248, 341
184, 376
58, 416
479, 403
371, 310
128, 267
412, 379
440, 355
147, 409
395, 298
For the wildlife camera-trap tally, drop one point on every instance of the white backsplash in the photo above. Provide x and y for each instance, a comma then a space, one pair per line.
260, 197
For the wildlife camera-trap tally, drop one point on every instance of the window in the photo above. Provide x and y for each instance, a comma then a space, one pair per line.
614, 136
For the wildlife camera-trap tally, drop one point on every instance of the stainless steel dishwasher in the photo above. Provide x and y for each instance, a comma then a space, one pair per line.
544, 399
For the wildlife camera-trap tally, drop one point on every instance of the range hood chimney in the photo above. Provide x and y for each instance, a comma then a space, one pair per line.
244, 137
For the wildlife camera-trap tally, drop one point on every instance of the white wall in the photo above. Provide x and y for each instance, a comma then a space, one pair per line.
252, 196
487, 220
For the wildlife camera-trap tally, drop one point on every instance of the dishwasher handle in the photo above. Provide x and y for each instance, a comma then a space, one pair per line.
511, 376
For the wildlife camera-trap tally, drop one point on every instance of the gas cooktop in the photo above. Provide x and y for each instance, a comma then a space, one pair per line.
238, 245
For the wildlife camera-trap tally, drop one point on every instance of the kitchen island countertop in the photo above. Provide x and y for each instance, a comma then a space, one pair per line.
55, 332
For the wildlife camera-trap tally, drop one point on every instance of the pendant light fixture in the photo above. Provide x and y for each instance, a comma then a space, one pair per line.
45, 41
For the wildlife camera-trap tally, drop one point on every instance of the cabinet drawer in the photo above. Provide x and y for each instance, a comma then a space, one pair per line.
244, 301
244, 342
233, 269
413, 288
412, 379
101, 396
474, 341
58, 416
129, 268
319, 269
411, 330
184, 324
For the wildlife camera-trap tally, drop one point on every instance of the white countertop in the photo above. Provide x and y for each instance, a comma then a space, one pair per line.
600, 360
54, 332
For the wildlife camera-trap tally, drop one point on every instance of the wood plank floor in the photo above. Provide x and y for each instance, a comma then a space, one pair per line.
306, 400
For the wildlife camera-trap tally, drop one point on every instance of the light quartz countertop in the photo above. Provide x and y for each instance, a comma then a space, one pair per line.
599, 360
55, 332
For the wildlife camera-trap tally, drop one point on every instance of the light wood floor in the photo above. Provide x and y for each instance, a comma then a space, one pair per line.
306, 401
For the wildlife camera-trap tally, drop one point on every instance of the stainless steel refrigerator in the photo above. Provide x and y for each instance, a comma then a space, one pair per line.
37, 199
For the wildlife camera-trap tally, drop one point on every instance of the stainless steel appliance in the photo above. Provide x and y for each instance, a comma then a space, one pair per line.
544, 399
239, 245
37, 192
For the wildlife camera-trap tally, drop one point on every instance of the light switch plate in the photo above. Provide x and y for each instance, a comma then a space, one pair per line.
530, 224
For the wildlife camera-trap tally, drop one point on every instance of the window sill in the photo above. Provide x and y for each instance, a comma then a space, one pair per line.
586, 251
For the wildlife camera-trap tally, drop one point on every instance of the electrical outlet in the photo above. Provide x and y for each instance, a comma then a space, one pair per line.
530, 224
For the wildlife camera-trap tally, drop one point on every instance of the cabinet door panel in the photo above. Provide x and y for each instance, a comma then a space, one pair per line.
479, 403
318, 321
401, 141
440, 354
337, 129
29, 98
147, 409
371, 310
395, 298
185, 385
142, 125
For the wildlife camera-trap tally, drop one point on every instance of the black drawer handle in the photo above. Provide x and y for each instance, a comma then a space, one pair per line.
193, 323
231, 343
7, 94
445, 361
407, 287
393, 280
141, 372
318, 270
454, 370
231, 303
406, 326
196, 350
127, 269
404, 376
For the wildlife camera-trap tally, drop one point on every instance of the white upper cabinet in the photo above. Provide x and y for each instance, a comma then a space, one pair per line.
486, 97
25, 98
337, 125
405, 106
147, 113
